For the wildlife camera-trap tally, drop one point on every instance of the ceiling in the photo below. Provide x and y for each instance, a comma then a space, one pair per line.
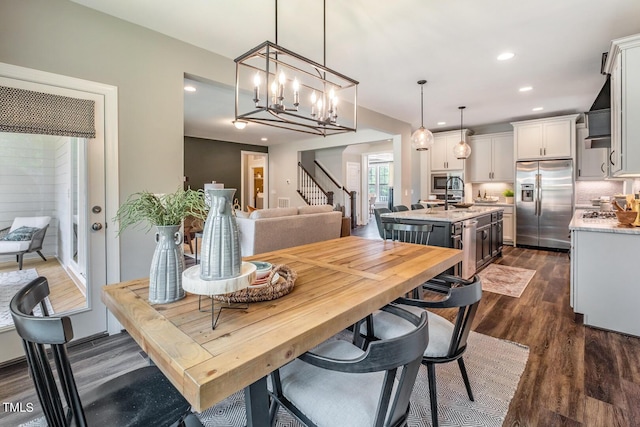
389, 45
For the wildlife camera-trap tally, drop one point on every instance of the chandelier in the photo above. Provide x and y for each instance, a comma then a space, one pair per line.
422, 138
279, 88
461, 150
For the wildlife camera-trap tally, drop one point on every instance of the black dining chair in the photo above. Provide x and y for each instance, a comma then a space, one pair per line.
400, 208
377, 212
339, 384
142, 397
408, 233
417, 206
447, 341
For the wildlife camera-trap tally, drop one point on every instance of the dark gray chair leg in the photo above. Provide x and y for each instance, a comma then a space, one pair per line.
19, 259
41, 256
463, 371
433, 395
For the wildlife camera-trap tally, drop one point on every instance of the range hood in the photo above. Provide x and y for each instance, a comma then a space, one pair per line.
598, 119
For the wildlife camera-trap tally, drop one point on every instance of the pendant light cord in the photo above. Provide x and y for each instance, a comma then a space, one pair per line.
324, 32
422, 105
276, 21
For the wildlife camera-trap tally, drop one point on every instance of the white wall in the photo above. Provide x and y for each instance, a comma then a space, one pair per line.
27, 183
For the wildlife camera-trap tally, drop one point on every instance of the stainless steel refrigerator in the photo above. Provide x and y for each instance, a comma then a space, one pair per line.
544, 203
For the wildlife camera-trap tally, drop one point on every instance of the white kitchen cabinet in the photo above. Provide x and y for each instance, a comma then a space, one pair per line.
441, 154
592, 162
602, 288
507, 225
491, 158
623, 64
549, 138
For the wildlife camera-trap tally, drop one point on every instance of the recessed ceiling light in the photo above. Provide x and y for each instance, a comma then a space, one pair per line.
525, 89
442, 123
189, 88
537, 109
506, 55
264, 139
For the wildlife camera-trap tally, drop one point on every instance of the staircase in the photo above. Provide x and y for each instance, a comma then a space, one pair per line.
310, 190
313, 192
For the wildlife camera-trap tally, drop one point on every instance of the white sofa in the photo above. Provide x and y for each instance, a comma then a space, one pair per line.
266, 230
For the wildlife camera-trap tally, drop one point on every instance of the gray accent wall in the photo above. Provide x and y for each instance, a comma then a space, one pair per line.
207, 160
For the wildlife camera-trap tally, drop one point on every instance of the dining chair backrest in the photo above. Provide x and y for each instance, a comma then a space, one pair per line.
465, 295
408, 233
377, 212
417, 206
400, 208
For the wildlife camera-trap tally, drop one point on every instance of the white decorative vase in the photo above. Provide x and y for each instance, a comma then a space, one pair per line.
508, 200
221, 257
167, 265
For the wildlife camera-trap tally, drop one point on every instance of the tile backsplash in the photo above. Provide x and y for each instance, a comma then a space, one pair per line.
587, 190
492, 189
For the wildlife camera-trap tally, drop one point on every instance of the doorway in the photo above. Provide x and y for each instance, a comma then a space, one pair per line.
255, 180
84, 197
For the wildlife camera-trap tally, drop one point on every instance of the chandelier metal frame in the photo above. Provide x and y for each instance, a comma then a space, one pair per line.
282, 78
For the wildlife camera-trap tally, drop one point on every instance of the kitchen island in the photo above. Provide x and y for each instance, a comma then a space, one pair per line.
604, 258
478, 231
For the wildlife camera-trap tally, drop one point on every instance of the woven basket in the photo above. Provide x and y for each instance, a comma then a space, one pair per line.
267, 292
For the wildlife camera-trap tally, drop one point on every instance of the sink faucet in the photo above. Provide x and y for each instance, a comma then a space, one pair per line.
446, 190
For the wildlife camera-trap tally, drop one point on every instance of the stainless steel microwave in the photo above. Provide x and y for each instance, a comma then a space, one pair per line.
439, 183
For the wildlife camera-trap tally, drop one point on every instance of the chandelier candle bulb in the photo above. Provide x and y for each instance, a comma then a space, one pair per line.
256, 89
296, 92
281, 80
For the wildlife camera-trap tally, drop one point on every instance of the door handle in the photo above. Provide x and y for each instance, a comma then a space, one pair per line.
611, 154
602, 167
96, 226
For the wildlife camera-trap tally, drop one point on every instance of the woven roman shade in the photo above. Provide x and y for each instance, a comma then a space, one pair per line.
26, 111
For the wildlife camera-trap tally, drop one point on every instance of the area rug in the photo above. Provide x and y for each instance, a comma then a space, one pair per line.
505, 280
494, 367
10, 283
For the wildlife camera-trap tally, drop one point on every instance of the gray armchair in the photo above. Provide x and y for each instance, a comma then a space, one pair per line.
13, 242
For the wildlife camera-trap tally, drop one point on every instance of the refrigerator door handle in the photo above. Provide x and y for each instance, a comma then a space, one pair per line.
539, 196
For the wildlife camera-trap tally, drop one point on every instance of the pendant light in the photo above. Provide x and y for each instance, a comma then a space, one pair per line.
462, 149
422, 139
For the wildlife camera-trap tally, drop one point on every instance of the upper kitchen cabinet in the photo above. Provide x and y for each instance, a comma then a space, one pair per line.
441, 153
623, 64
491, 158
549, 138
592, 162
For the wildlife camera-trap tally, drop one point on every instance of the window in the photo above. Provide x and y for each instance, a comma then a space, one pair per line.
379, 174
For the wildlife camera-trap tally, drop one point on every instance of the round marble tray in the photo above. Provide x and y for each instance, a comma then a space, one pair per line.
191, 281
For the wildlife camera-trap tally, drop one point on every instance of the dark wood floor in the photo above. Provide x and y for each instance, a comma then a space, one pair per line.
575, 375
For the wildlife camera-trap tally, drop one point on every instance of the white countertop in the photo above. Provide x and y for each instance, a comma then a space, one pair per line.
439, 214
600, 225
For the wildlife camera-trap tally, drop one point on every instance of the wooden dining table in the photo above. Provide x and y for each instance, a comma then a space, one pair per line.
338, 282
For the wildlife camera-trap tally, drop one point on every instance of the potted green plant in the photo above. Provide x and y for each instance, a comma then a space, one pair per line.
166, 212
508, 195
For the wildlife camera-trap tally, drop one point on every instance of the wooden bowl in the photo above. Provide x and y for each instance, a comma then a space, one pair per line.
627, 217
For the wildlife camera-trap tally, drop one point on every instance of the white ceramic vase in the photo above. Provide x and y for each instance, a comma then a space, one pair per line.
167, 265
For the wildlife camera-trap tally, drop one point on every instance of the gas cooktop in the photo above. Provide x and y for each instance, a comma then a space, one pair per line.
599, 215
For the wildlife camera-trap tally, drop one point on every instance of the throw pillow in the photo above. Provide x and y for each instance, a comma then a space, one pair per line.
251, 209
20, 234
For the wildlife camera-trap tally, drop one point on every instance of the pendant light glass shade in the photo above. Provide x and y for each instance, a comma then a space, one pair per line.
461, 150
422, 139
